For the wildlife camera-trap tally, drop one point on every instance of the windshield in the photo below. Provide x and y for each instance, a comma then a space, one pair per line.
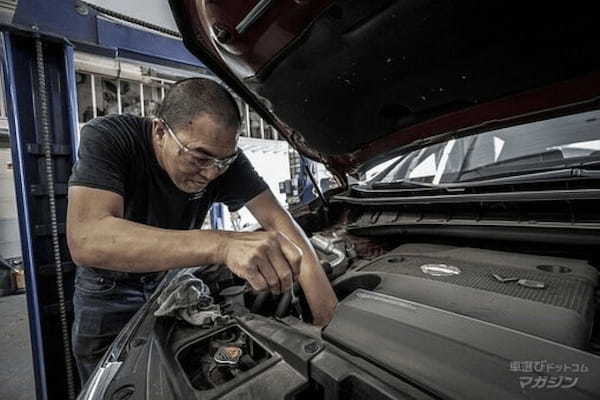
553, 143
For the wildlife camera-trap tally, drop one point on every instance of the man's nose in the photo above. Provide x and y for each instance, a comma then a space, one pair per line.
211, 172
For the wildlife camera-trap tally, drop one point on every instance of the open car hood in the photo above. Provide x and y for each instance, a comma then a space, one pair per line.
346, 82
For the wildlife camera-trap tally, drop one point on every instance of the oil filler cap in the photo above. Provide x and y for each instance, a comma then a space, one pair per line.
228, 355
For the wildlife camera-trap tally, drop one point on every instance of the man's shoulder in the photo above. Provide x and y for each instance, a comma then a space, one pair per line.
118, 123
126, 135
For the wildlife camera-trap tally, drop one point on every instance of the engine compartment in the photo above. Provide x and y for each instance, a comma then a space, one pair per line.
415, 301
419, 319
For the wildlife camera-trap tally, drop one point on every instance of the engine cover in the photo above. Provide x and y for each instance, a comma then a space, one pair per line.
483, 284
451, 355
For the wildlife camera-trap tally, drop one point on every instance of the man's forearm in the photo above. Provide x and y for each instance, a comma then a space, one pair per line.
314, 281
318, 290
117, 244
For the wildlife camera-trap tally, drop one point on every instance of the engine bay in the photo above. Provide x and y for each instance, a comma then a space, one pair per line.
414, 320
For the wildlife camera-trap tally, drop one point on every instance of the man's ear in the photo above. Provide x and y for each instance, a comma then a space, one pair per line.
158, 131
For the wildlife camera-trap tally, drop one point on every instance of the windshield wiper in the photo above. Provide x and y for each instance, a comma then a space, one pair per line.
562, 173
548, 160
404, 184
553, 174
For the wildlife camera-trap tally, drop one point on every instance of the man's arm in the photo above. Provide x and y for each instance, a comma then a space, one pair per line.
319, 293
98, 236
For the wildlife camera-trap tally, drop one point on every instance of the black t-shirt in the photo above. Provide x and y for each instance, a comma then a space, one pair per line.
116, 154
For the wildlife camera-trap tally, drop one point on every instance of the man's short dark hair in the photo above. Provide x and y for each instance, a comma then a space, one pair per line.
188, 98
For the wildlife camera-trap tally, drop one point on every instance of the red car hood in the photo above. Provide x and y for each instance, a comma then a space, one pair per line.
348, 82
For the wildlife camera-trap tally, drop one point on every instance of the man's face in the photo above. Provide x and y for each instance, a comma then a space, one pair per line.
204, 137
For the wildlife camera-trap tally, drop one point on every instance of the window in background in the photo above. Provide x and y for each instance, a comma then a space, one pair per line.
130, 97
242, 111
164, 87
152, 95
106, 96
246, 120
269, 134
85, 106
254, 125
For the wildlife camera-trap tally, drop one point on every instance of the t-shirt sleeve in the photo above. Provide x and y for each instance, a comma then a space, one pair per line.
239, 184
103, 160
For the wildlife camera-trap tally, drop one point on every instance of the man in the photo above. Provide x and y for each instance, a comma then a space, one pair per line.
139, 186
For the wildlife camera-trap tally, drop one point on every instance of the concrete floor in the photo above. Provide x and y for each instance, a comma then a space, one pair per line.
16, 371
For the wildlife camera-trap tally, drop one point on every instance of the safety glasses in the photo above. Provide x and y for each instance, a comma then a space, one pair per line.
198, 159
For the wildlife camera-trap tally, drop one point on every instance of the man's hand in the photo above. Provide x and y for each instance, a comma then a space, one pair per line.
317, 289
269, 261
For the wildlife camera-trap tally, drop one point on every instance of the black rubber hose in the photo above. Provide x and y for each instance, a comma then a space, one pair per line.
284, 305
258, 302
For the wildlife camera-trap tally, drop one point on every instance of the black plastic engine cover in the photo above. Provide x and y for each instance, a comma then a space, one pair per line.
562, 311
454, 356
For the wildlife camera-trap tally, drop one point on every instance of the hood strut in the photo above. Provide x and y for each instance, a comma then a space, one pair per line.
317, 188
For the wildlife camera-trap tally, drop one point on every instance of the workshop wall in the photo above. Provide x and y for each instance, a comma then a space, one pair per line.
10, 243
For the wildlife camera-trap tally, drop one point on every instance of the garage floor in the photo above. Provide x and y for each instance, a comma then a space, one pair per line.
16, 371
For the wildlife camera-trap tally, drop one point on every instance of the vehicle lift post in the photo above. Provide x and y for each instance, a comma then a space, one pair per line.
39, 79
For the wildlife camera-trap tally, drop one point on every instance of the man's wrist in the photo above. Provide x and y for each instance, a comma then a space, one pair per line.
221, 243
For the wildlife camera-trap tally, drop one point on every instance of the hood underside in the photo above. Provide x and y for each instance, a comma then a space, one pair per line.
349, 81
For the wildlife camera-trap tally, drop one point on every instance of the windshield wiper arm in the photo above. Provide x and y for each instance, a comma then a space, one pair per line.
554, 174
552, 157
533, 176
535, 162
404, 184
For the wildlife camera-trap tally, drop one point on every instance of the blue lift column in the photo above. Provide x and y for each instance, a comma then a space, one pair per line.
40, 91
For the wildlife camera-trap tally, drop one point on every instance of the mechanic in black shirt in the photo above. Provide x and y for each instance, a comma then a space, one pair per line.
138, 195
